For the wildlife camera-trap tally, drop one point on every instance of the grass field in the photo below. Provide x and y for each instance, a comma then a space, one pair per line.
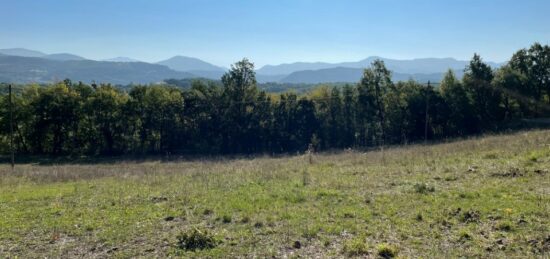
483, 197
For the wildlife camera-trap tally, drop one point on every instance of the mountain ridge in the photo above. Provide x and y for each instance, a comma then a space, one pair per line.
184, 63
81, 68
410, 66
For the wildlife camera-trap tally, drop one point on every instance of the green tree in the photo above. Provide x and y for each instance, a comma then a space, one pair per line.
534, 63
105, 110
240, 94
485, 99
510, 83
373, 86
461, 118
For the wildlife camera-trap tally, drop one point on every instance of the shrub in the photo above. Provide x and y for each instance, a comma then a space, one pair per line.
196, 240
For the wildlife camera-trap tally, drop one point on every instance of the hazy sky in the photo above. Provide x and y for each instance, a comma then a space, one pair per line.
276, 31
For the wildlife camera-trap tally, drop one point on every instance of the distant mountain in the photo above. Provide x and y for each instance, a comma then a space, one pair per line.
123, 70
63, 57
413, 66
186, 64
261, 78
121, 59
353, 75
22, 52
31, 69
214, 75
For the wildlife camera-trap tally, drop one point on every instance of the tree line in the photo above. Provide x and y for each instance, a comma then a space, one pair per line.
68, 118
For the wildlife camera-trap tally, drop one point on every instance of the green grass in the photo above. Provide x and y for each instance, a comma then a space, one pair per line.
483, 197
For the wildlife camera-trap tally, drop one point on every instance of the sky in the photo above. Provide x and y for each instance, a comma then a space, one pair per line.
275, 31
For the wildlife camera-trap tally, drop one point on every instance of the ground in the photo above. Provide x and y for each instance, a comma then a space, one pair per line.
481, 197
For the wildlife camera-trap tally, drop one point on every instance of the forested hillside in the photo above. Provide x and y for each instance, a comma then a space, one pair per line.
70, 118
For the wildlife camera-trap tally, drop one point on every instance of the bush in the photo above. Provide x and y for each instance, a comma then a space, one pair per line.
196, 240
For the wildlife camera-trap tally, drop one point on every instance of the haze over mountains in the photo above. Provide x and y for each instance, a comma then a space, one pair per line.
20, 65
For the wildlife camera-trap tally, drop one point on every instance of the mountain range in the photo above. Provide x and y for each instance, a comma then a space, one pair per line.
20, 65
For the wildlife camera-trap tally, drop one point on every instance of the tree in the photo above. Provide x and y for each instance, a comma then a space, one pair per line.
373, 86
510, 83
461, 119
485, 99
349, 111
534, 63
57, 112
158, 111
335, 119
104, 109
239, 94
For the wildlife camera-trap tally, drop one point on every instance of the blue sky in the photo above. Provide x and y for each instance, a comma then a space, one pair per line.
275, 31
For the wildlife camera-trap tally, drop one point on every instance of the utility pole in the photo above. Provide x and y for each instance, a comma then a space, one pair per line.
11, 128
428, 87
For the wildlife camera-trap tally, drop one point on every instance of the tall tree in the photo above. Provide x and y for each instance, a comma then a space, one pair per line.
461, 118
373, 86
485, 99
240, 94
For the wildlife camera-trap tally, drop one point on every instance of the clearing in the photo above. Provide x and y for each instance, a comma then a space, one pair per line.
481, 197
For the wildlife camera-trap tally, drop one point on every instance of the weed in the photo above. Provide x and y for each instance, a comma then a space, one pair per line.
245, 219
196, 240
423, 188
505, 226
259, 224
356, 247
464, 235
226, 218
470, 216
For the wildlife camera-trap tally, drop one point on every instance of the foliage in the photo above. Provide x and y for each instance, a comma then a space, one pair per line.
196, 240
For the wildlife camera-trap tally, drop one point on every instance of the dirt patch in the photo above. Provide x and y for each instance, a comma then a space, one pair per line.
510, 173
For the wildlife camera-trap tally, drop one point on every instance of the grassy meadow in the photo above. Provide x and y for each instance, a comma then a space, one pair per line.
482, 197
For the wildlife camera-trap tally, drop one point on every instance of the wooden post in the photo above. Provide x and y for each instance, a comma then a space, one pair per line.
11, 128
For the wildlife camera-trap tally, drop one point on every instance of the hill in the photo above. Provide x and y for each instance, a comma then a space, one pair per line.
186, 64
413, 66
40, 70
63, 57
21, 52
483, 197
121, 59
353, 75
